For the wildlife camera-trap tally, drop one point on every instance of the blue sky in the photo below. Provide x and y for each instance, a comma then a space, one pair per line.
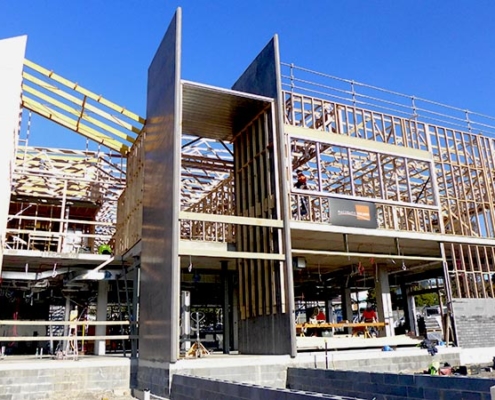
436, 49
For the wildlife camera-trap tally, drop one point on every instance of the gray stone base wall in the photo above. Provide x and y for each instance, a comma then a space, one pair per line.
193, 388
383, 386
273, 373
53, 379
474, 322
400, 361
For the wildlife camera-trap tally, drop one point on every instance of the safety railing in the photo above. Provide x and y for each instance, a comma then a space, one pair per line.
207, 231
220, 201
296, 79
74, 338
85, 238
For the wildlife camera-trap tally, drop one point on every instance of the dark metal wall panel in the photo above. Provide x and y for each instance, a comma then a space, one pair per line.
261, 76
275, 333
267, 334
159, 294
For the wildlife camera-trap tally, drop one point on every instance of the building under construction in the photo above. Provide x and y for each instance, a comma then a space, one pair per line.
198, 205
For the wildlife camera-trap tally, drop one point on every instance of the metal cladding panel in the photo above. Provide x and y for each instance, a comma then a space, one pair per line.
264, 335
159, 292
217, 113
11, 64
261, 76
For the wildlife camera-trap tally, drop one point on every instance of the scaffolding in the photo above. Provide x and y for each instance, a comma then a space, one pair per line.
64, 201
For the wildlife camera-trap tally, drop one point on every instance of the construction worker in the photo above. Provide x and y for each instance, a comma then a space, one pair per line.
301, 184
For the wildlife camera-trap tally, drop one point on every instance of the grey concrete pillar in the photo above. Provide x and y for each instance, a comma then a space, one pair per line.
384, 301
235, 319
135, 310
330, 313
185, 316
66, 319
226, 307
411, 312
101, 315
347, 304
327, 310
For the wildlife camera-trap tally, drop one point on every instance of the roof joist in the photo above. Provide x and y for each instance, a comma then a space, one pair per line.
78, 109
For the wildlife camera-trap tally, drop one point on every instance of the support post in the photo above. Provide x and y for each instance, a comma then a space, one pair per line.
384, 301
226, 307
135, 309
101, 315
186, 320
235, 319
347, 306
410, 315
66, 319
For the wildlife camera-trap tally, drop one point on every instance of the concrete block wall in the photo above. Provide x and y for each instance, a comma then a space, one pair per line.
401, 361
481, 356
474, 322
264, 371
56, 379
186, 387
384, 386
272, 371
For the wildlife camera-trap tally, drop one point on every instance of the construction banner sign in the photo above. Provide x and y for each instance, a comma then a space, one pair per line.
358, 214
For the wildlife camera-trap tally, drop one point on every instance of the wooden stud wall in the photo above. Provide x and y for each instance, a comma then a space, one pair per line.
401, 187
465, 165
453, 195
220, 201
48, 179
260, 281
130, 205
314, 113
471, 270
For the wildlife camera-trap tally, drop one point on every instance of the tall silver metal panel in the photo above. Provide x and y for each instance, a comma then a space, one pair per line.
11, 64
159, 295
272, 334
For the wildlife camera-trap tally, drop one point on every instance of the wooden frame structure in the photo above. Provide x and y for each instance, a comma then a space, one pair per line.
46, 182
64, 202
59, 177
78, 109
424, 168
58, 192
423, 177
429, 178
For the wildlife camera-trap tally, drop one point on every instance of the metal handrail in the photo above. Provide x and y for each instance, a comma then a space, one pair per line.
384, 99
70, 323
